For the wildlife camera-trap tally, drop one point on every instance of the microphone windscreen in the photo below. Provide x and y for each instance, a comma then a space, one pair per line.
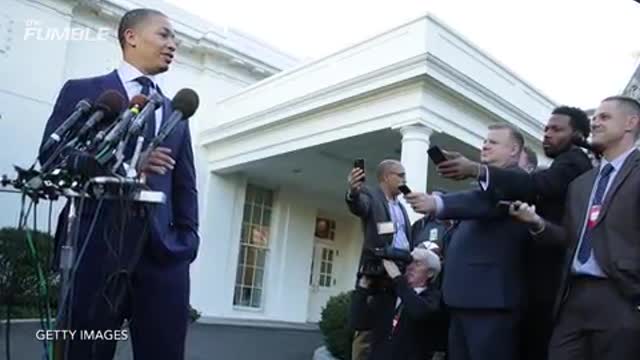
139, 100
186, 101
111, 102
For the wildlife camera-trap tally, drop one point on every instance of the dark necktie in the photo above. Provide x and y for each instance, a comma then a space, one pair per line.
147, 85
585, 246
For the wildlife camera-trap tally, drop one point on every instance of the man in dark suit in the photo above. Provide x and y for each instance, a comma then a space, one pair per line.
483, 284
599, 305
547, 190
410, 330
154, 273
385, 224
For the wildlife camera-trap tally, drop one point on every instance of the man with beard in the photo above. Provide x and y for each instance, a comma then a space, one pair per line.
546, 189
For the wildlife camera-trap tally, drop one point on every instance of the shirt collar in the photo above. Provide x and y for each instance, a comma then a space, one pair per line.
617, 162
129, 73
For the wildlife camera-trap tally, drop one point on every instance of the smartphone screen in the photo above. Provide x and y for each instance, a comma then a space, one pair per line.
436, 155
359, 163
404, 189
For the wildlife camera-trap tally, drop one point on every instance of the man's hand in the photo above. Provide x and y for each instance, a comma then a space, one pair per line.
458, 167
157, 161
355, 180
527, 214
421, 202
391, 268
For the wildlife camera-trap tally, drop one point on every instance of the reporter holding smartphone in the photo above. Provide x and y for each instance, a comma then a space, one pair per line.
385, 223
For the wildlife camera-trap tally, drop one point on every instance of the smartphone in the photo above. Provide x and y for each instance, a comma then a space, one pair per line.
359, 163
505, 205
404, 189
436, 155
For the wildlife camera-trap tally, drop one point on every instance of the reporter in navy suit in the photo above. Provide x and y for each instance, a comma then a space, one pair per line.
484, 281
156, 300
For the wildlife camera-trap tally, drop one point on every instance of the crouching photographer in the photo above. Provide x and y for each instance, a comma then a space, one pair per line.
410, 329
387, 233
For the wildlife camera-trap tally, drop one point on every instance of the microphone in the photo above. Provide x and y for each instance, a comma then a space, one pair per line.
82, 108
114, 134
185, 104
108, 105
155, 101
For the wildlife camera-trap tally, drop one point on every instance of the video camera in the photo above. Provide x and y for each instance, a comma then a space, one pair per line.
372, 265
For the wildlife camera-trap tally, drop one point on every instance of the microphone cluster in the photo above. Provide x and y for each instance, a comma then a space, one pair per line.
93, 142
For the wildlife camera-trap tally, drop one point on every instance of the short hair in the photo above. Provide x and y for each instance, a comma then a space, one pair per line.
578, 119
630, 105
514, 132
384, 166
133, 18
532, 157
429, 258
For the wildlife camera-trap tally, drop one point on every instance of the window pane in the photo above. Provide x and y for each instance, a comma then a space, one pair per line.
248, 276
246, 297
330, 255
259, 274
261, 258
251, 256
328, 281
266, 217
246, 215
268, 198
329, 268
259, 197
323, 267
321, 280
257, 298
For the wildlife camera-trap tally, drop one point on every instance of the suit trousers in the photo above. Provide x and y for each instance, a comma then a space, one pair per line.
118, 279
482, 334
595, 323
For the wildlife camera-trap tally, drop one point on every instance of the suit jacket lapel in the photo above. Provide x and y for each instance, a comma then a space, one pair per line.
112, 81
630, 163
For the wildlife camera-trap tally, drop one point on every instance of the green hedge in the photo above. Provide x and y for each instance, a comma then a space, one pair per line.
334, 325
19, 283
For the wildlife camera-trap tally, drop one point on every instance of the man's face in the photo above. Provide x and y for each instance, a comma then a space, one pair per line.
499, 148
154, 42
417, 274
557, 135
610, 124
395, 177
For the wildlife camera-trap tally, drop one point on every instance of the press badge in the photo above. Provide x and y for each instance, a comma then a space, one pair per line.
433, 235
594, 213
386, 228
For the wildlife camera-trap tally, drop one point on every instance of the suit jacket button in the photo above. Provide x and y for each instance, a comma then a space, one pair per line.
171, 224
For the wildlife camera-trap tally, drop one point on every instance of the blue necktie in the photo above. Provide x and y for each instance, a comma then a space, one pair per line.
585, 246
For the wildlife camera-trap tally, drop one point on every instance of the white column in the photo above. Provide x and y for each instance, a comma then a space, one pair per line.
415, 143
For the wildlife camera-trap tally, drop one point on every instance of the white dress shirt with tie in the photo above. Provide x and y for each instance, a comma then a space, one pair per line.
128, 75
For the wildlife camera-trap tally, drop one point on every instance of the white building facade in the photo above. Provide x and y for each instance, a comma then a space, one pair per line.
274, 140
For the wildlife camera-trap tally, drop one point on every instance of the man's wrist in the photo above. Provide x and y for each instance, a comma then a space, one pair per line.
537, 226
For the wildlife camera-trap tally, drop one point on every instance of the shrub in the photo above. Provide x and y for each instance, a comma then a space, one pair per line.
19, 283
334, 324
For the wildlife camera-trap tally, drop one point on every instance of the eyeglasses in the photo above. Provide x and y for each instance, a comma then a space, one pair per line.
402, 175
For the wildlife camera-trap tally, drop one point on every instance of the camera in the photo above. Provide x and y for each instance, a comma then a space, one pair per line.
372, 264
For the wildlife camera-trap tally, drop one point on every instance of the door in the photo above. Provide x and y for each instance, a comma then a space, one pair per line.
322, 281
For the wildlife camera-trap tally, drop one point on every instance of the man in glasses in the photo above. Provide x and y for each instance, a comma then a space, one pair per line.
386, 225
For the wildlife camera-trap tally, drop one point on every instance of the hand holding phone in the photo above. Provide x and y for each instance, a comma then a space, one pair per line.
359, 164
436, 155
